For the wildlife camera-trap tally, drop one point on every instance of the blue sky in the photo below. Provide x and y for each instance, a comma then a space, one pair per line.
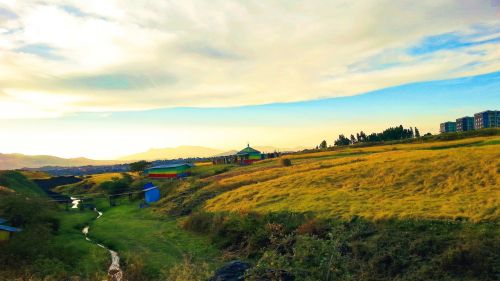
108, 78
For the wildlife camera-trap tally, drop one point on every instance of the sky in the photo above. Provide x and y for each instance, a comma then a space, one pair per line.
103, 79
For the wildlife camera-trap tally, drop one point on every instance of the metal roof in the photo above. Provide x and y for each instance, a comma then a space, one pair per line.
9, 228
247, 150
171, 166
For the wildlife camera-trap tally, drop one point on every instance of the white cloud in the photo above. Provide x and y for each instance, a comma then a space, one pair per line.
220, 53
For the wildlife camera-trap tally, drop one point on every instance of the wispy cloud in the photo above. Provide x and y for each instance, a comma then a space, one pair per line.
451, 41
41, 50
211, 52
117, 81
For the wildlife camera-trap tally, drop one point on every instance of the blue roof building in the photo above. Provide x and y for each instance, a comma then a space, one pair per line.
6, 231
151, 193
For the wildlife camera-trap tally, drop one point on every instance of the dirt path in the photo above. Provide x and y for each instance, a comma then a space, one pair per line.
114, 271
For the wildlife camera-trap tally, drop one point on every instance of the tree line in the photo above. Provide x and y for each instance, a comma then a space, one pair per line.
392, 133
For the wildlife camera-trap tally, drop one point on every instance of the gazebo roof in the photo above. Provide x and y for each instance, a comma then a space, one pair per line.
247, 150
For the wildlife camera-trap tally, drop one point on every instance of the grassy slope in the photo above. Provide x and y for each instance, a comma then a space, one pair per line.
89, 261
21, 184
89, 184
93, 261
430, 180
157, 242
34, 174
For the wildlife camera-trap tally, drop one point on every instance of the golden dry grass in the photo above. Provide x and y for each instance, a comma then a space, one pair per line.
100, 178
34, 174
91, 183
427, 180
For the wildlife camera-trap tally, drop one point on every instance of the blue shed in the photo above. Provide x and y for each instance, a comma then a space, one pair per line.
151, 193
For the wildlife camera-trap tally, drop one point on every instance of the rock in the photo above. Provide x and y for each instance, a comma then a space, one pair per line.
232, 271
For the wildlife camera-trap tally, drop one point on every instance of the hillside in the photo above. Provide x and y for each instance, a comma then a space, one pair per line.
434, 180
429, 181
18, 161
89, 183
20, 183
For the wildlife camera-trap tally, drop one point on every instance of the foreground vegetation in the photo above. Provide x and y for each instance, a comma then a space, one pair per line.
50, 245
287, 244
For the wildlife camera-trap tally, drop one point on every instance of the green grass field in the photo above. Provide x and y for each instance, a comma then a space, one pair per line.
93, 261
147, 241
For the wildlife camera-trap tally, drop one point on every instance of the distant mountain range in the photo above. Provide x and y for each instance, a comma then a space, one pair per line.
18, 161
186, 151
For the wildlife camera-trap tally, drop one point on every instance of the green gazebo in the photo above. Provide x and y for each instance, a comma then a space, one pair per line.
248, 155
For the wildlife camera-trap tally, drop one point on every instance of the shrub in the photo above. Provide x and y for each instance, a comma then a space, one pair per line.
50, 269
199, 222
135, 268
188, 270
313, 227
285, 162
290, 244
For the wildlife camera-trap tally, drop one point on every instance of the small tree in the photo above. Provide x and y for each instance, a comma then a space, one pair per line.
417, 132
353, 139
342, 140
362, 136
139, 166
323, 145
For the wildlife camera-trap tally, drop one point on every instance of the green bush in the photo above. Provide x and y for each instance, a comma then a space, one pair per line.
318, 249
200, 222
188, 270
285, 162
33, 249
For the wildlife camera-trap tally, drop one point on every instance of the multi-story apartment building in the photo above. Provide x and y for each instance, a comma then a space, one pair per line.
487, 119
448, 127
465, 124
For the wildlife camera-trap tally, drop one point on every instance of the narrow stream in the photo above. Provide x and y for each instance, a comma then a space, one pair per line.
114, 271
74, 202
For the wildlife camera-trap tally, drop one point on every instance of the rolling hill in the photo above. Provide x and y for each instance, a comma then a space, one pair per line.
405, 181
431, 180
173, 153
20, 183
